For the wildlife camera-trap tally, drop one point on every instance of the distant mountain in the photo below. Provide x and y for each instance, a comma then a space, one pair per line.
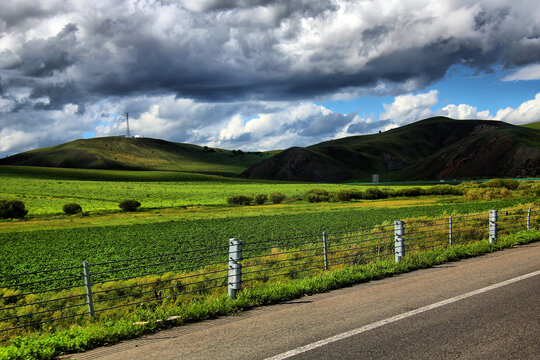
435, 148
297, 164
121, 153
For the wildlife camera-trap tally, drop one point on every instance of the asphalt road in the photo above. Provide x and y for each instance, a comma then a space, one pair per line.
394, 318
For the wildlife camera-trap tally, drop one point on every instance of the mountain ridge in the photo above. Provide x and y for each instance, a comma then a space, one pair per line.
433, 148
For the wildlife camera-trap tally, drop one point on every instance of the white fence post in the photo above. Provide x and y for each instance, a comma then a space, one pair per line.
450, 230
235, 269
325, 250
492, 226
88, 285
529, 219
399, 243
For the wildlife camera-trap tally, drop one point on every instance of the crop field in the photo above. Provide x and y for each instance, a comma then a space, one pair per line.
188, 213
42, 249
44, 195
181, 214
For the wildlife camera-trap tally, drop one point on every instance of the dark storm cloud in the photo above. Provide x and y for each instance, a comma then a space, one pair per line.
41, 58
227, 51
321, 124
367, 127
74, 58
15, 13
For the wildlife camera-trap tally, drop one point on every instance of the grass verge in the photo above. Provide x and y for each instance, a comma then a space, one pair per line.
80, 338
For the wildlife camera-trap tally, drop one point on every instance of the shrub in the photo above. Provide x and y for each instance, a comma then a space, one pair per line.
443, 190
129, 205
415, 191
525, 185
313, 198
487, 194
239, 200
533, 190
346, 195
72, 208
511, 184
12, 209
277, 197
495, 183
318, 192
374, 193
260, 198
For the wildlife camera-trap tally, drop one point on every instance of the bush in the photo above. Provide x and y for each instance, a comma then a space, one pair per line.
129, 205
313, 198
239, 200
533, 190
410, 192
495, 183
511, 184
277, 197
374, 193
72, 208
12, 209
260, 199
344, 195
487, 194
321, 192
443, 190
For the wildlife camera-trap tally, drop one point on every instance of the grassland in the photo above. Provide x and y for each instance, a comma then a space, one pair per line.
180, 212
122, 153
178, 215
46, 190
534, 125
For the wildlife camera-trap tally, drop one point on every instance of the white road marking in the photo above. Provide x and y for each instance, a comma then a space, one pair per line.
392, 319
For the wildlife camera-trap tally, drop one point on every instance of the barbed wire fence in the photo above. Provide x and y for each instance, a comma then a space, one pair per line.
69, 295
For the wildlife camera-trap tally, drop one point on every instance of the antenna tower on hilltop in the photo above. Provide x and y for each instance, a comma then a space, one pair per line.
128, 134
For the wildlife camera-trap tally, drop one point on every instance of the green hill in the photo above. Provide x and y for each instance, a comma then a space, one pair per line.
534, 125
435, 148
430, 149
121, 153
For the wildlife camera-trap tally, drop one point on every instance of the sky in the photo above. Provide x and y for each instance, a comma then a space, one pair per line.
259, 74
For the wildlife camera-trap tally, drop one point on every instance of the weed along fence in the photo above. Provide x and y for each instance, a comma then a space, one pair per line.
58, 298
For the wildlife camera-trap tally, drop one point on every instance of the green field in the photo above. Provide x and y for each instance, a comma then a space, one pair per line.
181, 212
46, 190
187, 212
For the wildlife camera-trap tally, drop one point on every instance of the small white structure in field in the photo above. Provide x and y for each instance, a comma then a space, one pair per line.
375, 178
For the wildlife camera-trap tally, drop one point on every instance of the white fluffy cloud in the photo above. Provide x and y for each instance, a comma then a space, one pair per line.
527, 112
464, 111
408, 108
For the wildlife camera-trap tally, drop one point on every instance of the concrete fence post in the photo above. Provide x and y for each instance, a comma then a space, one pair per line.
399, 243
88, 286
235, 268
325, 249
493, 228
450, 230
529, 219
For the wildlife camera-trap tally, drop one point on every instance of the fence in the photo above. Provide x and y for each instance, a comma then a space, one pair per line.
76, 294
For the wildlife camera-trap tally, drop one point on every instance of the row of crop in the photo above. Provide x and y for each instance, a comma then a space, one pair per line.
28, 251
270, 261
264, 262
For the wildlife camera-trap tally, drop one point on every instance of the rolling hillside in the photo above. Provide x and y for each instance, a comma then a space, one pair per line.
121, 153
435, 148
